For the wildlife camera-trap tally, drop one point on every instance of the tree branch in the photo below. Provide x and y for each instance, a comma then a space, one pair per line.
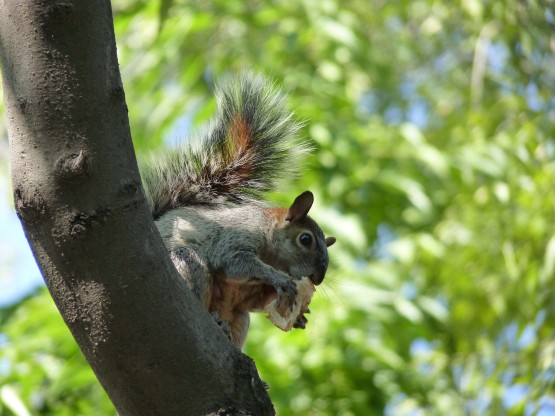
78, 195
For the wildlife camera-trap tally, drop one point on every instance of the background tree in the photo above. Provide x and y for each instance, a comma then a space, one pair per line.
434, 167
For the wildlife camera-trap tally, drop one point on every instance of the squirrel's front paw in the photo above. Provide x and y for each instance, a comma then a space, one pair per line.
287, 293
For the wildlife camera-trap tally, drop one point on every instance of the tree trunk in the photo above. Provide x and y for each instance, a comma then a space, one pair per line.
78, 195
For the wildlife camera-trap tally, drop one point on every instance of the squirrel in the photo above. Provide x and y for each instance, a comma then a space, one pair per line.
235, 251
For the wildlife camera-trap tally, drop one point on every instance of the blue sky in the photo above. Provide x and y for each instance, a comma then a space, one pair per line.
19, 273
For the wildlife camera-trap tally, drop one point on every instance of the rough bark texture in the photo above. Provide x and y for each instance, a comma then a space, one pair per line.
79, 197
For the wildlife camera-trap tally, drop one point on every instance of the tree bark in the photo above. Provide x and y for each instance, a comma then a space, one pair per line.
78, 195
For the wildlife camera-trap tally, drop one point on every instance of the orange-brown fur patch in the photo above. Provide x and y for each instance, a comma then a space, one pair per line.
276, 214
229, 295
239, 133
233, 299
241, 147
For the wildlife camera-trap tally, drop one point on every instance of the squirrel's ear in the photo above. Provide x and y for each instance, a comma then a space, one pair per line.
330, 241
300, 207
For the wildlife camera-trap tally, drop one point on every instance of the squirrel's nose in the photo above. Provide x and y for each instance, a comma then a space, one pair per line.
316, 279
320, 272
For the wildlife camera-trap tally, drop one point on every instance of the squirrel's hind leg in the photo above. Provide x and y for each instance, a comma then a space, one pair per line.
190, 264
239, 328
222, 323
235, 327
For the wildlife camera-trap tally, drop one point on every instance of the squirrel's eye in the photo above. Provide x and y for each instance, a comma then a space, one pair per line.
305, 239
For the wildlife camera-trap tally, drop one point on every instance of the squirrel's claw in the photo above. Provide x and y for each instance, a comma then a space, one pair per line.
287, 292
301, 322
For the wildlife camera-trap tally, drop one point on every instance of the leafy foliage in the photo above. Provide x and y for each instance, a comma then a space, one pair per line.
434, 127
41, 369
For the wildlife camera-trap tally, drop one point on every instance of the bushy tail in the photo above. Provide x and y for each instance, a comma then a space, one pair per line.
250, 146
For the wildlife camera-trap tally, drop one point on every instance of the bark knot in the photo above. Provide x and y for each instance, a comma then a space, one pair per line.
85, 221
73, 168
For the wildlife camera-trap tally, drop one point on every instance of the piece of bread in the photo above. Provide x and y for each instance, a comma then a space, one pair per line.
283, 317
